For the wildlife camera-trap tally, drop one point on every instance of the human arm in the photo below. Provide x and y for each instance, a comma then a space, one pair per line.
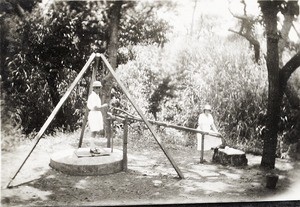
200, 122
100, 108
214, 128
94, 103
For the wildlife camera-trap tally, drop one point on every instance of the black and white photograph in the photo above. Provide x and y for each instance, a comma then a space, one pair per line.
150, 103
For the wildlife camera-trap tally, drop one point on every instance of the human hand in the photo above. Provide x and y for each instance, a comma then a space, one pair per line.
102, 107
105, 105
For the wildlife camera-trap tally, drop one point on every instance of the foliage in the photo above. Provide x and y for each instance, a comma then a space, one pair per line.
41, 70
170, 81
144, 28
163, 91
11, 129
141, 25
17, 6
235, 87
47, 49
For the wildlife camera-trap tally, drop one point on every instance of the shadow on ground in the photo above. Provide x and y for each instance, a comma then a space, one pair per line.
150, 179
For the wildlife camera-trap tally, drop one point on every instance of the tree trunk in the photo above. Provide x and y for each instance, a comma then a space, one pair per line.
270, 10
277, 83
256, 46
253, 42
286, 27
285, 30
246, 31
288, 69
114, 17
113, 45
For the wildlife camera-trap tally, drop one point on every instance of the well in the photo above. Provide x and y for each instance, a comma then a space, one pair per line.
81, 162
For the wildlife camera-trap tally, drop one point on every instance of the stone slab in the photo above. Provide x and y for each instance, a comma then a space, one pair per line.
68, 162
232, 151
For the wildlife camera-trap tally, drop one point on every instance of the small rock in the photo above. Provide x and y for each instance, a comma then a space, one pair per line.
157, 183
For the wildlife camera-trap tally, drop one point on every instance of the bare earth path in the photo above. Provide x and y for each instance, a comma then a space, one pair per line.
150, 178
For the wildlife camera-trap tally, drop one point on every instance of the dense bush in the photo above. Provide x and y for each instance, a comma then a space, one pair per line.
170, 83
203, 71
46, 55
46, 50
217, 71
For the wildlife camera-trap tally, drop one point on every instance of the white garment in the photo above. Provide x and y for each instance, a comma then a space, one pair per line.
209, 142
95, 117
206, 123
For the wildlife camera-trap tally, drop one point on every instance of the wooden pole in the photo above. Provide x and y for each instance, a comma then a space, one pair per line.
203, 133
172, 126
202, 148
109, 133
112, 137
158, 140
54, 112
86, 112
83, 127
125, 137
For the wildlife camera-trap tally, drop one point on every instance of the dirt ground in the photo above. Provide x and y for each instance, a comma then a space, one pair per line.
150, 178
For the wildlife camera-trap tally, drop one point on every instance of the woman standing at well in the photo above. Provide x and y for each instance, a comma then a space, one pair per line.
95, 118
206, 124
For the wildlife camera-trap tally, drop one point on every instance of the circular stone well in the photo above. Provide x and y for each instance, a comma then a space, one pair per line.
81, 162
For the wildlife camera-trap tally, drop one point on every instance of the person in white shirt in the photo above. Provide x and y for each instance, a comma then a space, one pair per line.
95, 118
206, 124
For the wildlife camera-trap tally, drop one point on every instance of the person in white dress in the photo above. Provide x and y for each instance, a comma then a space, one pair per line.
206, 124
95, 118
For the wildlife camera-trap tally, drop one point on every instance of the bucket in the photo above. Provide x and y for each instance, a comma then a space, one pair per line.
271, 181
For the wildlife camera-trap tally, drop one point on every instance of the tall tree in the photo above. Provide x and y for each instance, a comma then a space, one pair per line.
11, 9
131, 23
247, 30
114, 24
277, 79
47, 48
290, 11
